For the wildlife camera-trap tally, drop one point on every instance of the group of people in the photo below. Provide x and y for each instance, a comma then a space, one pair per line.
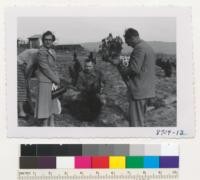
139, 76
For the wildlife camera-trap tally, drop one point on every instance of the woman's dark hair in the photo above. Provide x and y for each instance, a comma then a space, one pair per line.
130, 32
47, 33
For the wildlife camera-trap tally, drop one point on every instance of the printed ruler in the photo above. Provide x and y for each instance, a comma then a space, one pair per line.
95, 174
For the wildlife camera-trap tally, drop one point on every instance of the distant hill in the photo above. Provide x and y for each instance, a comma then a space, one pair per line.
158, 46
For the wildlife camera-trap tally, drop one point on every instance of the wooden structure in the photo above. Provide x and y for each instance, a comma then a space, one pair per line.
35, 41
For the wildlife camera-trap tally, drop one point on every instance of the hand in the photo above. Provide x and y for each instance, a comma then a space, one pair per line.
54, 87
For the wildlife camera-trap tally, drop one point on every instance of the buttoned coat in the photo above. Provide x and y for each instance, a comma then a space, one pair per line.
142, 71
47, 75
46, 71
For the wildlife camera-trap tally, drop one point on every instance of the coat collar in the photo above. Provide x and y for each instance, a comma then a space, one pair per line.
139, 42
51, 52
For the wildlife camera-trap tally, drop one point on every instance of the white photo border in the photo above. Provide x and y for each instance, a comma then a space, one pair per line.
185, 101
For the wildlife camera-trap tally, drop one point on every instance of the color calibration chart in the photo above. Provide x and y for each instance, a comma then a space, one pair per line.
98, 161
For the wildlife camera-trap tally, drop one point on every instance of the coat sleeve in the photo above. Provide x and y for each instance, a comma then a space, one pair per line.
45, 68
136, 60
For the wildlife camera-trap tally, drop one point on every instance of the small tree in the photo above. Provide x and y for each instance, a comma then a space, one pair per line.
110, 47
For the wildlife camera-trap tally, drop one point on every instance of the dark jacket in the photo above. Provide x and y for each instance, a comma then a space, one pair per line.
93, 82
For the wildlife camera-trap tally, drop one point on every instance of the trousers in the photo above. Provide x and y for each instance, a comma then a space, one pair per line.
137, 111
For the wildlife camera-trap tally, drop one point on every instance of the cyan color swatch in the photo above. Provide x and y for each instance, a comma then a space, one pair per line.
151, 162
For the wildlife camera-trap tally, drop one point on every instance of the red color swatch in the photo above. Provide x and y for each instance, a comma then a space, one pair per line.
100, 162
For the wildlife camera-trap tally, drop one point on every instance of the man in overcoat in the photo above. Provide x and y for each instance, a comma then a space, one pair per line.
141, 77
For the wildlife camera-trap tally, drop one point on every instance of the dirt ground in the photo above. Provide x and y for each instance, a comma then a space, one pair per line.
114, 114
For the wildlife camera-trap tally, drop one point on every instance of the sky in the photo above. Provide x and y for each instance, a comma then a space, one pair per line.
72, 30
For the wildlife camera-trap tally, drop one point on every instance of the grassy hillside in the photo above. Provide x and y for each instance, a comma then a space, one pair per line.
114, 114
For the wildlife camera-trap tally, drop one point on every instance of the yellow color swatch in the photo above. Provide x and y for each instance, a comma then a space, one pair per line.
117, 162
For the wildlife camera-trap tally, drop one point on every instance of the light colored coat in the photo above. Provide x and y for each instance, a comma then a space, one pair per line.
142, 71
27, 56
46, 75
47, 66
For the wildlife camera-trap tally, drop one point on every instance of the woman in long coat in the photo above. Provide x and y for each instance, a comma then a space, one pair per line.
48, 77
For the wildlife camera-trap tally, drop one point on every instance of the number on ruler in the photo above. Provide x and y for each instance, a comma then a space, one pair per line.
136, 174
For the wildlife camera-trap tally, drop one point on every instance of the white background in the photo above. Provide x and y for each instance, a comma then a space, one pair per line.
189, 148
185, 115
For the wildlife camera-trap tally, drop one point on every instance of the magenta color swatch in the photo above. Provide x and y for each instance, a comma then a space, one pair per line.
83, 162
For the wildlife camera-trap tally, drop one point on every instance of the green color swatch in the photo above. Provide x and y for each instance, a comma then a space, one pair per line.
134, 162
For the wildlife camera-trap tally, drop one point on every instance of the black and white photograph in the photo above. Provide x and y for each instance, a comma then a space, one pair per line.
110, 72
97, 71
